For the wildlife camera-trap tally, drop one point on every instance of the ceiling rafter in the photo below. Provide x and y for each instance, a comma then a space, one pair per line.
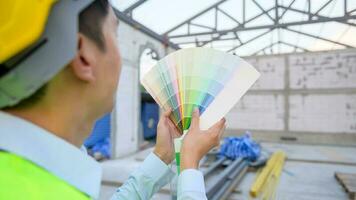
319, 37
270, 46
128, 11
320, 19
313, 17
263, 10
276, 14
343, 19
264, 48
250, 40
195, 16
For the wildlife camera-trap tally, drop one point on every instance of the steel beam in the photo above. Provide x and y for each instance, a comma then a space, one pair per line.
250, 40
217, 38
276, 14
201, 26
284, 12
264, 48
263, 10
194, 16
123, 17
295, 46
228, 15
237, 37
314, 17
322, 7
277, 43
282, 25
203, 42
350, 12
243, 23
342, 19
320, 38
128, 11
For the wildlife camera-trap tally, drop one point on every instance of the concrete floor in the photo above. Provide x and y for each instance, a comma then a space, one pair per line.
308, 173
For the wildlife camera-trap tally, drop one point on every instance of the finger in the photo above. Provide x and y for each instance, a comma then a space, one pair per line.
222, 131
163, 116
173, 129
175, 132
169, 121
220, 134
218, 126
167, 112
195, 119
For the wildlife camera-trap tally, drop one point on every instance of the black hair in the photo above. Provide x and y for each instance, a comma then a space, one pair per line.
91, 20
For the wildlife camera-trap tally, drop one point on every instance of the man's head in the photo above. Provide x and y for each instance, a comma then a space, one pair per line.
91, 77
97, 65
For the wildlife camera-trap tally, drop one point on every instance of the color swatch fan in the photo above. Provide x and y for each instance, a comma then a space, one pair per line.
203, 78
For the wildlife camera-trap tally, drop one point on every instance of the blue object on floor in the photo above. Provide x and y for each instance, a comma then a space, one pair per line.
103, 147
240, 147
99, 139
149, 119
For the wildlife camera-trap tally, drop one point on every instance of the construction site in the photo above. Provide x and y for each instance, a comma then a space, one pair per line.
291, 136
304, 103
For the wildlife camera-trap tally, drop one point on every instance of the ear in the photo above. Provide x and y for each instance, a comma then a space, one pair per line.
85, 60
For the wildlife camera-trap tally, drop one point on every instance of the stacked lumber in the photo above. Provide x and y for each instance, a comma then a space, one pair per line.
265, 184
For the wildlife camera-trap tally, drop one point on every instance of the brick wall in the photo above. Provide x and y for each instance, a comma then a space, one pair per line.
306, 92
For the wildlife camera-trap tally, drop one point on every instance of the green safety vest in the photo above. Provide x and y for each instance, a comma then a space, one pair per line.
22, 179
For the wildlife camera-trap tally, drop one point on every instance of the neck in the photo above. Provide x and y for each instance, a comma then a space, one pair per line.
68, 123
64, 110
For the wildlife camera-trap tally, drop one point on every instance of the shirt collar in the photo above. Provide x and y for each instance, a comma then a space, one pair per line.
54, 154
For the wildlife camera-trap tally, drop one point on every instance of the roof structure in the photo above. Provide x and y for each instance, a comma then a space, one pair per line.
247, 27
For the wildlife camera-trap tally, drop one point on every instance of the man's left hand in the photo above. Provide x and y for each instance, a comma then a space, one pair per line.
166, 132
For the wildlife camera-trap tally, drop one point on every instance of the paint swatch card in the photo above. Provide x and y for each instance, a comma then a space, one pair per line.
210, 80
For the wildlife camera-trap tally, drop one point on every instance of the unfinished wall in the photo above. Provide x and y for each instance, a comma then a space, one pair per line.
126, 133
306, 94
309, 94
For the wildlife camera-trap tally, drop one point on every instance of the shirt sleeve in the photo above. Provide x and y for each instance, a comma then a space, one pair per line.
191, 185
152, 175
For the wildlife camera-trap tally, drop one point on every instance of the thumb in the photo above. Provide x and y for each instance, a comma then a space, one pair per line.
167, 113
218, 126
195, 119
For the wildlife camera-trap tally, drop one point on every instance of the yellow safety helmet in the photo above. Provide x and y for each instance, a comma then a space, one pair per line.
37, 39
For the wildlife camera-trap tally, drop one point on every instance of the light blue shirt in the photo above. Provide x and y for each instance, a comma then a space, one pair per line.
68, 162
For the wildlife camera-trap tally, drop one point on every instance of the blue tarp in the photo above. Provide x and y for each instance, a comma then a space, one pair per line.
149, 119
99, 139
240, 147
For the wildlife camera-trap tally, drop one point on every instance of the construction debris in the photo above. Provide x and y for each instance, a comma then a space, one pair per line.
267, 180
348, 182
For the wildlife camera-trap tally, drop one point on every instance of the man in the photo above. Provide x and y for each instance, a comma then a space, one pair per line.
48, 110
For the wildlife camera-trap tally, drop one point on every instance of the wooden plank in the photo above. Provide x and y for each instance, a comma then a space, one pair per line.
348, 182
269, 173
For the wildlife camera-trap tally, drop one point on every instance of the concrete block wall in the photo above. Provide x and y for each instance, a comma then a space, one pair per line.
324, 70
272, 70
300, 94
253, 110
308, 93
326, 113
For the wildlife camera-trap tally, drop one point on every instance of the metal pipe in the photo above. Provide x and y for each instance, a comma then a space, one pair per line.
211, 190
213, 166
232, 180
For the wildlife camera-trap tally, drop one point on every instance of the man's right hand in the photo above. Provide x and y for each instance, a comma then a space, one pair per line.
197, 142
